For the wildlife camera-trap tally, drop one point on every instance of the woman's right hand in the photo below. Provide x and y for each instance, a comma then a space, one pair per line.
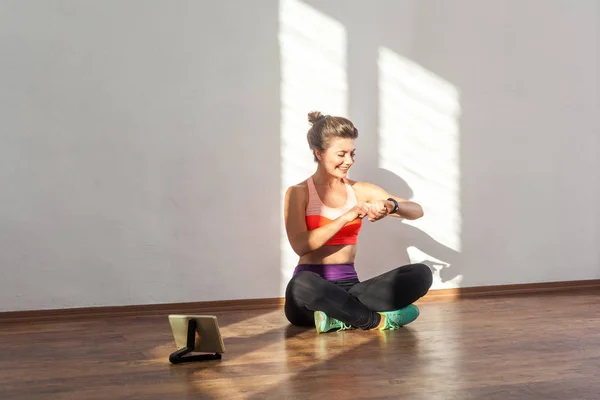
360, 210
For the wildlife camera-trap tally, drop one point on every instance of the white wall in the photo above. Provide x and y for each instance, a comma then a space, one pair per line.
131, 166
132, 173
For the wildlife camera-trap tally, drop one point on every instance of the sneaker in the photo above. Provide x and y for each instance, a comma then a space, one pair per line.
399, 318
323, 323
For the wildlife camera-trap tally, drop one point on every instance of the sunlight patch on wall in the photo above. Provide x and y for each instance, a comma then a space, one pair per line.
313, 78
419, 141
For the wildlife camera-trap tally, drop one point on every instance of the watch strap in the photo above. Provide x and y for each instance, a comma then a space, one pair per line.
395, 205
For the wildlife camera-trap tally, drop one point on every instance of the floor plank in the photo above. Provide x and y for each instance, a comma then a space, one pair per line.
525, 347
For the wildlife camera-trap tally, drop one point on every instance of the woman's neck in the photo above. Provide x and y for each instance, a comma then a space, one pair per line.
322, 178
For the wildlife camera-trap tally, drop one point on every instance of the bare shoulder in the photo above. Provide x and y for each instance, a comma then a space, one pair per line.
296, 200
298, 191
361, 185
367, 191
299, 187
364, 191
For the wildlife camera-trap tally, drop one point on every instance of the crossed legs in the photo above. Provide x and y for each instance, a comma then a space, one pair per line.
355, 303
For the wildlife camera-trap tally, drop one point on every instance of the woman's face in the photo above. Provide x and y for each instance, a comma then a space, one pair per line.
339, 157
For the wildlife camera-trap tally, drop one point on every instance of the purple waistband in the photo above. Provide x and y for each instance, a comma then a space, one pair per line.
331, 272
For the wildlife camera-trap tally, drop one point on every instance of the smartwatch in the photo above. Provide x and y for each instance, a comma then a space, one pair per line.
395, 205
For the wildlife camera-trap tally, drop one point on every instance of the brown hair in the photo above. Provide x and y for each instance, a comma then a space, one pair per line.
324, 128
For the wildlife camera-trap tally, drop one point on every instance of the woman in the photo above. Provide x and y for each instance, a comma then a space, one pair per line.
323, 216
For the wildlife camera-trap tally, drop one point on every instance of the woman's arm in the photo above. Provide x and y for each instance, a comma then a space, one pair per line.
301, 239
373, 194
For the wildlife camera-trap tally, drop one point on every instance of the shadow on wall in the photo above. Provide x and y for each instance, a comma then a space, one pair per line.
392, 239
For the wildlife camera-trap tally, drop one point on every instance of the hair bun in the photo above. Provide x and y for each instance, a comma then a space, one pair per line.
314, 117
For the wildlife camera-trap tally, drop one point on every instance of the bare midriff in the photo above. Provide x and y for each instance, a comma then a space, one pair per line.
339, 254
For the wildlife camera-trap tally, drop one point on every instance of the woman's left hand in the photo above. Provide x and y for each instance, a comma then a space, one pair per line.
377, 210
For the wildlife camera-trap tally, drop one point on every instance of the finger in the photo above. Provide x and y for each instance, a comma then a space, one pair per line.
373, 213
376, 211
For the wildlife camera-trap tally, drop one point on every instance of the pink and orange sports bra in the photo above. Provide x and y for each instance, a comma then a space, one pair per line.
318, 214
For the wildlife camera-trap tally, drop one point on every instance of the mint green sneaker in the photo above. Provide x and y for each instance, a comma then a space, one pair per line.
399, 318
323, 323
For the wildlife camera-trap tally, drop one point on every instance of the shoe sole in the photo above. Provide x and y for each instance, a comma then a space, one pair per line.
318, 321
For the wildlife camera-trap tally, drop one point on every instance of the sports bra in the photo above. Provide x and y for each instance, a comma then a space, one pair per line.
318, 214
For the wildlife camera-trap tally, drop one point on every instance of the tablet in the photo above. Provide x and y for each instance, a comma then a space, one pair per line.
207, 337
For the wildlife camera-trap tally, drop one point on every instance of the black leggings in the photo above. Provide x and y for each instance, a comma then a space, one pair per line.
353, 302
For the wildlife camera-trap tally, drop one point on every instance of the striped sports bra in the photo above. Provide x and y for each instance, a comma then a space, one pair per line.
318, 214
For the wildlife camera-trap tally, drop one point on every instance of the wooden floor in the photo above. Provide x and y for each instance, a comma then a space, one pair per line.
535, 347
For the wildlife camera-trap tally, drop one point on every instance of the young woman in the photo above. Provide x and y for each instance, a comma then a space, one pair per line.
323, 216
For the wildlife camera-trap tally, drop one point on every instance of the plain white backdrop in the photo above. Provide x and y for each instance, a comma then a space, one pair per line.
145, 145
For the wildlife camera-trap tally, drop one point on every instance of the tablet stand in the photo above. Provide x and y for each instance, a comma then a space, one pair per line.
180, 356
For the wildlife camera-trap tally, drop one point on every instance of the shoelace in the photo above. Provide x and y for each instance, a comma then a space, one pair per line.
345, 326
393, 322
